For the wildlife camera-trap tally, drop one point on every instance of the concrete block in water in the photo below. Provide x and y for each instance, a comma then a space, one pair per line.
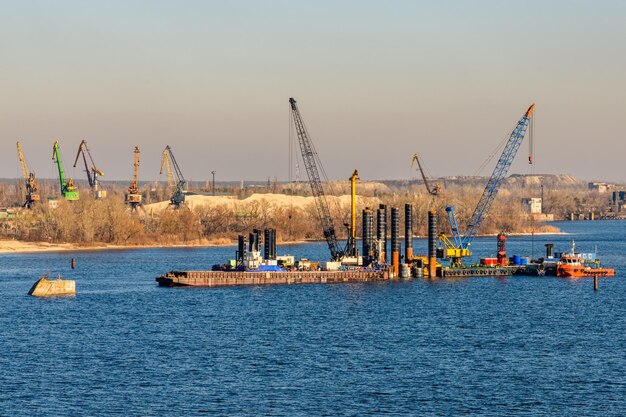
53, 287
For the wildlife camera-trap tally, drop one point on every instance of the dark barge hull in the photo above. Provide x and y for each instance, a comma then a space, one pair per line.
475, 272
234, 278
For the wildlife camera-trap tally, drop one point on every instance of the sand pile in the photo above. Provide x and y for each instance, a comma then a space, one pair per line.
274, 200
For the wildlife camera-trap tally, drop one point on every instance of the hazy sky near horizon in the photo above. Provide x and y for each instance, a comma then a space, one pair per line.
376, 81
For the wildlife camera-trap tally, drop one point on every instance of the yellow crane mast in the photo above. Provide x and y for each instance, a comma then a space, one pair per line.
29, 180
353, 180
351, 252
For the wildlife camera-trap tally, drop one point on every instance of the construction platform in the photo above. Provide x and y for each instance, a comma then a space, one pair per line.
235, 278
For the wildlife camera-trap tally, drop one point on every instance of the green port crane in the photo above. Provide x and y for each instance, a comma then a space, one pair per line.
32, 196
93, 173
68, 189
168, 161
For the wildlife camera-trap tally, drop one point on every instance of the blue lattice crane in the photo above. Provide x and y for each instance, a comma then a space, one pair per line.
458, 248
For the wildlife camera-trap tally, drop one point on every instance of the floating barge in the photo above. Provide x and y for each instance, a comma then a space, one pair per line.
235, 278
476, 271
251, 268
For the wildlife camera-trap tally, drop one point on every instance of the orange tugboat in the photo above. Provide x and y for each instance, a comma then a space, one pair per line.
575, 265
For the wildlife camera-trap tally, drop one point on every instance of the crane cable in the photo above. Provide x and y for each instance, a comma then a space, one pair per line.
531, 161
328, 186
493, 153
291, 185
428, 174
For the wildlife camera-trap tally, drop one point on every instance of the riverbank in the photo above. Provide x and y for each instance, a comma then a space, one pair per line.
14, 246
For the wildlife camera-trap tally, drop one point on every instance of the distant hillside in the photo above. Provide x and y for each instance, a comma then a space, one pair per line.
551, 181
369, 187
512, 182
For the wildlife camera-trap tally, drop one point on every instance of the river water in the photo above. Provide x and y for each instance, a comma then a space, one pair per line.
476, 346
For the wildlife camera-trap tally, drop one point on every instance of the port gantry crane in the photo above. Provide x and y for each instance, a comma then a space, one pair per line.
459, 248
168, 161
92, 172
311, 161
434, 189
30, 182
68, 189
133, 196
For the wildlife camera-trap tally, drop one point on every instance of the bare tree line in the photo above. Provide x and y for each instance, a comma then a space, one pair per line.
109, 221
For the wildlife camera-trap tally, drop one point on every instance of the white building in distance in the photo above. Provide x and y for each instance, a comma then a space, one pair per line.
532, 205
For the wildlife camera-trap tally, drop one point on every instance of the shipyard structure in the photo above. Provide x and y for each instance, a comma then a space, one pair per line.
380, 256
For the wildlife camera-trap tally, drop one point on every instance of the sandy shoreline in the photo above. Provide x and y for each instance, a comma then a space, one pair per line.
16, 246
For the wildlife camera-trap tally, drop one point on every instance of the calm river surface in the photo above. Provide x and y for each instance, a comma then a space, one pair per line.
477, 346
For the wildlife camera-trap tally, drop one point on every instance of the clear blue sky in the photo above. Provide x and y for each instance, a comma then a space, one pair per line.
376, 81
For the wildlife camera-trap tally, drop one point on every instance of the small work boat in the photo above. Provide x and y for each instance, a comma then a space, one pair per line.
574, 265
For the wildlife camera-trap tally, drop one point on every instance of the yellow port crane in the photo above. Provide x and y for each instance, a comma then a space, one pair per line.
29, 180
133, 197
434, 189
92, 172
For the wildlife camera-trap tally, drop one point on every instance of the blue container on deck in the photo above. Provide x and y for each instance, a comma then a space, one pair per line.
516, 260
524, 260
270, 268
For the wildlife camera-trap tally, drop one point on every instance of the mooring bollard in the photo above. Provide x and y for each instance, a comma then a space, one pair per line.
595, 283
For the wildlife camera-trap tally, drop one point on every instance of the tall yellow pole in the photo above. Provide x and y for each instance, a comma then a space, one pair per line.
353, 179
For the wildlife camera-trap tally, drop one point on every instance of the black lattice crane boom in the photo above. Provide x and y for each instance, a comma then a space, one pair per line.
311, 161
